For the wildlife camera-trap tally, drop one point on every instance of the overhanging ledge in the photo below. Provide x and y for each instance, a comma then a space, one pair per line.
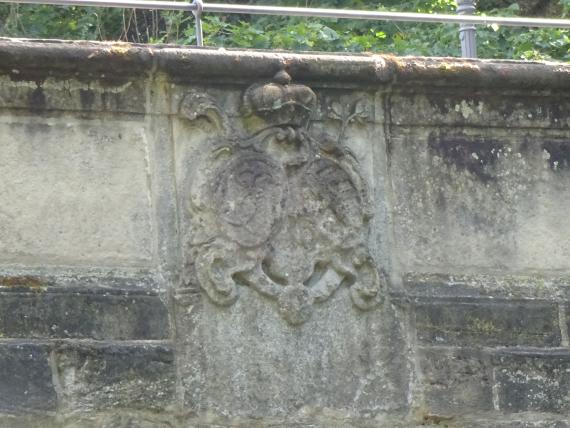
110, 62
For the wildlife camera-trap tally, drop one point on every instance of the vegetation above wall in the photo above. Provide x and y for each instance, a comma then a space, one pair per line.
271, 32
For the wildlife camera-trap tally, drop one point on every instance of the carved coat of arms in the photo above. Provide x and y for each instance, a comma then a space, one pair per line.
277, 209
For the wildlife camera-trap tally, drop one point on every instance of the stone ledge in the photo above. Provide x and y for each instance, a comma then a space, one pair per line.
546, 287
115, 63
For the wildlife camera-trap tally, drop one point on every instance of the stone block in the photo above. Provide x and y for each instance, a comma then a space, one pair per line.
276, 218
26, 383
74, 192
467, 199
528, 421
533, 381
116, 376
246, 361
487, 323
455, 381
83, 314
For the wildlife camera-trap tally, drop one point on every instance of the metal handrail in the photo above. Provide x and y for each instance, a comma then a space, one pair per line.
465, 18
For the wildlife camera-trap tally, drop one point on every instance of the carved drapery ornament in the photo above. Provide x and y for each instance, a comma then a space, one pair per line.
278, 210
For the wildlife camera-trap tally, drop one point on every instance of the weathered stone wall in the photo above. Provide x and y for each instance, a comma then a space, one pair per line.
194, 237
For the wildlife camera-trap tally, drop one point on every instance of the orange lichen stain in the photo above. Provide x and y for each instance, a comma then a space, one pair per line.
429, 419
29, 282
459, 66
423, 64
424, 417
115, 48
120, 48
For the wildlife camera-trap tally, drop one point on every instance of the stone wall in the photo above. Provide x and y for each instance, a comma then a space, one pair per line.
195, 238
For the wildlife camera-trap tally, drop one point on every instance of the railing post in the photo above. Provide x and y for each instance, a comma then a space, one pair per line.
198, 18
467, 31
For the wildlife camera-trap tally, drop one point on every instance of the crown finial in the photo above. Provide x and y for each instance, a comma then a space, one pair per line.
282, 77
280, 102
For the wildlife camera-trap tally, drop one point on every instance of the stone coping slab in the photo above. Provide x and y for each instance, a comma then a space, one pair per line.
112, 62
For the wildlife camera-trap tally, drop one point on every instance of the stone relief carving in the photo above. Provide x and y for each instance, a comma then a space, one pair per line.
278, 209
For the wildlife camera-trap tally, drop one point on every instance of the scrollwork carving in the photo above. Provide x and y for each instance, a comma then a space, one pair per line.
278, 210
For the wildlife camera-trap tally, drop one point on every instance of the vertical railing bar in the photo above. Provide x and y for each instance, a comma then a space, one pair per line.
198, 18
467, 35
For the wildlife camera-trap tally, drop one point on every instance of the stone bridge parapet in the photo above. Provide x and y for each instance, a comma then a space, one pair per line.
200, 238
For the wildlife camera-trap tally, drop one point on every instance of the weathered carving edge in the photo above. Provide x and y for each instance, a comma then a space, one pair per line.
277, 209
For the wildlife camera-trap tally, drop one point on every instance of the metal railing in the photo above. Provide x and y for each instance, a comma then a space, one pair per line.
465, 15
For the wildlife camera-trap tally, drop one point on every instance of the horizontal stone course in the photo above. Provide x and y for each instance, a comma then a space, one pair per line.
525, 420
94, 420
433, 107
488, 286
61, 97
487, 323
89, 314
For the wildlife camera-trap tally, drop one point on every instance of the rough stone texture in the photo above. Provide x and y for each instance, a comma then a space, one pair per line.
267, 373
96, 314
25, 378
456, 379
496, 189
207, 238
533, 381
486, 323
110, 376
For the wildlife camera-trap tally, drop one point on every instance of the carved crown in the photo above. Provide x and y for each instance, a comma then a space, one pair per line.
280, 102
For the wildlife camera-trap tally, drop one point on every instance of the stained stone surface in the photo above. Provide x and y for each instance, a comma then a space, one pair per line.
83, 314
25, 379
358, 367
97, 377
481, 199
206, 238
75, 192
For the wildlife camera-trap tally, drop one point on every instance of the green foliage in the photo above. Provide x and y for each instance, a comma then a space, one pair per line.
291, 33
